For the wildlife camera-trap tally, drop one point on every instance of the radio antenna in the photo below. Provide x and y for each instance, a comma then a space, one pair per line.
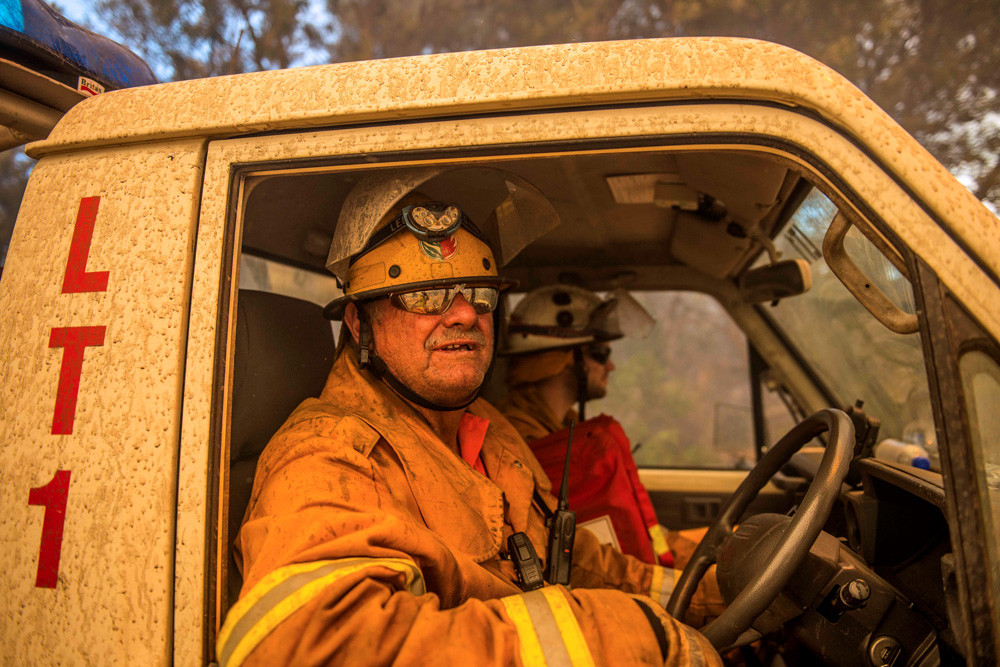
564, 488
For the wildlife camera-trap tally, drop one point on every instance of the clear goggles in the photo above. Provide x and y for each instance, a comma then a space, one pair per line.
437, 301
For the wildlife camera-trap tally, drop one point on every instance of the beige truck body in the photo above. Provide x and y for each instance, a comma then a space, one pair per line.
117, 310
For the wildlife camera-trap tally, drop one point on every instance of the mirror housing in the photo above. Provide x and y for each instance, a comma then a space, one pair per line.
775, 281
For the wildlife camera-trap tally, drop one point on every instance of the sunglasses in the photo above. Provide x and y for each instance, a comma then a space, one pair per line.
599, 353
437, 301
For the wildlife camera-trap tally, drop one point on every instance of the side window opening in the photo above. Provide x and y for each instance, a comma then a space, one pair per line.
283, 350
852, 353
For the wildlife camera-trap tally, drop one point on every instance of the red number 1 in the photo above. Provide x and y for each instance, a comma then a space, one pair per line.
53, 497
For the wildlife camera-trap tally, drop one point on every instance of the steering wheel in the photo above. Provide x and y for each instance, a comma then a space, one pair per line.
793, 546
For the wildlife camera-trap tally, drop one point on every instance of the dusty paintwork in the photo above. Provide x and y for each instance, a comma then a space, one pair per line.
113, 599
130, 484
193, 473
529, 78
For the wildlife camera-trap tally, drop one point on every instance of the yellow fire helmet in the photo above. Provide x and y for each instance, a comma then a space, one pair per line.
419, 244
393, 240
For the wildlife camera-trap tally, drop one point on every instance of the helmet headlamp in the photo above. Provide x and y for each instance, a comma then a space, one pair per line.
431, 221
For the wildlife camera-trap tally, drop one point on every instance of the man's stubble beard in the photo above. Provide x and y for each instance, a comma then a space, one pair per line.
595, 392
419, 383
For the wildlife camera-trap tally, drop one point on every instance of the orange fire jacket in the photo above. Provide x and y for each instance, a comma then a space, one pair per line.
526, 409
368, 541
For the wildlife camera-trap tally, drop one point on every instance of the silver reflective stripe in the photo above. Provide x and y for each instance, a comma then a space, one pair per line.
662, 584
286, 590
547, 629
695, 654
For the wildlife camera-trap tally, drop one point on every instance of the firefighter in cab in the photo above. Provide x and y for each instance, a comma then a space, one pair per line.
398, 518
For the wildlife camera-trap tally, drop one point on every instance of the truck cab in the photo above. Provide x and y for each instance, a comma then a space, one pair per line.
682, 170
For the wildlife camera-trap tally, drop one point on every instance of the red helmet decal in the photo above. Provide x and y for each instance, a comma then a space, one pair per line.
440, 251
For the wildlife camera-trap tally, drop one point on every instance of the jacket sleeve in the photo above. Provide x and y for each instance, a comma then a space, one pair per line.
597, 565
335, 575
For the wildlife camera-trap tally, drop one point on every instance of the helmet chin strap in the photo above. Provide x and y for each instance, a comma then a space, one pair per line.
369, 360
582, 384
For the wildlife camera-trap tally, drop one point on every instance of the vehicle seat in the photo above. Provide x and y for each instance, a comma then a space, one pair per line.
284, 351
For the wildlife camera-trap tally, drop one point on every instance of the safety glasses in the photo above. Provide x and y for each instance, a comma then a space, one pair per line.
437, 301
599, 353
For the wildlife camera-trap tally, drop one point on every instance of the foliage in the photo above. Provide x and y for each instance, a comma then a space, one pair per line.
14, 169
187, 39
934, 66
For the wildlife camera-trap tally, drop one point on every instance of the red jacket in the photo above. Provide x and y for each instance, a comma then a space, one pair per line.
604, 485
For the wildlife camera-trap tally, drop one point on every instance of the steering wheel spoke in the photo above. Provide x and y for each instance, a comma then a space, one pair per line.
789, 552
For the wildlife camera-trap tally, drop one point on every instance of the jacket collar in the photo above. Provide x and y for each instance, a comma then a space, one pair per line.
459, 504
528, 399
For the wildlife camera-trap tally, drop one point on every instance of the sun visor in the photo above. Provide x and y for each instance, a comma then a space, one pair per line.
621, 315
509, 210
523, 216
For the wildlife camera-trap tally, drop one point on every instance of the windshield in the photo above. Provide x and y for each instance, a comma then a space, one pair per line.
854, 355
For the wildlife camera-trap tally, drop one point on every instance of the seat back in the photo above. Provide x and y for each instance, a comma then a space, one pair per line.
284, 351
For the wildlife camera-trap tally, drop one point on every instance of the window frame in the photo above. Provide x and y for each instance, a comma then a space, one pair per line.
230, 161
948, 330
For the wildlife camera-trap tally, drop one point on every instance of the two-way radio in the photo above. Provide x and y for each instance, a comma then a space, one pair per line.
562, 528
562, 531
526, 563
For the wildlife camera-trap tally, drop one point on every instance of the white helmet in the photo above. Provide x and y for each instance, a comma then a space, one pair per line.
560, 316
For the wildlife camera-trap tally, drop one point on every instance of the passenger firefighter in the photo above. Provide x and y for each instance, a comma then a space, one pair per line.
559, 356
393, 518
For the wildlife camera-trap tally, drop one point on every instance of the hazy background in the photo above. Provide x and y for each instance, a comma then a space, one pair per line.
683, 393
934, 65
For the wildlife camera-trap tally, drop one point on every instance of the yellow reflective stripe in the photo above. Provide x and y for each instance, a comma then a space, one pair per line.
576, 645
662, 585
657, 581
286, 590
264, 586
659, 539
531, 649
547, 629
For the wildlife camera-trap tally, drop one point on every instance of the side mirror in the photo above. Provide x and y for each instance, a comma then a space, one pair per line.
775, 281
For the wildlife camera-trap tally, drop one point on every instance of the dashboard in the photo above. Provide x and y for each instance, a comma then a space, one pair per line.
878, 586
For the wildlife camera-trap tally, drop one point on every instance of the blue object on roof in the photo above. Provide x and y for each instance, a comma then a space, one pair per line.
36, 36
11, 15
